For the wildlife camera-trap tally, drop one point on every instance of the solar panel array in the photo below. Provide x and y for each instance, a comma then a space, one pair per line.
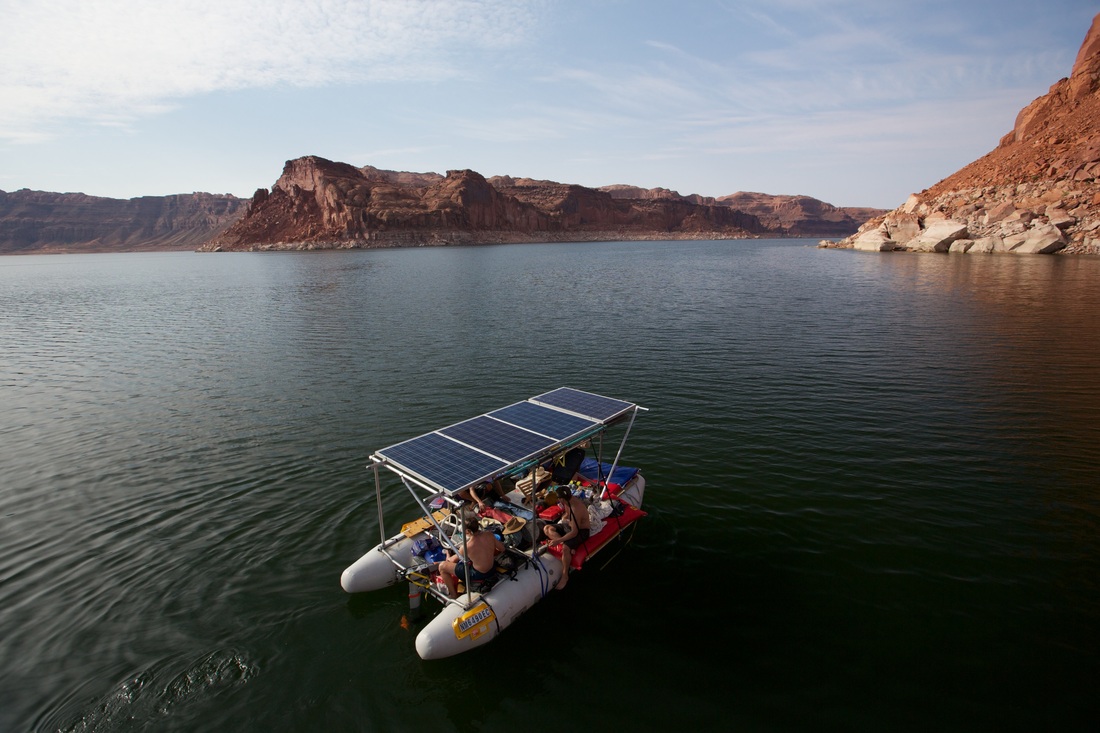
471, 451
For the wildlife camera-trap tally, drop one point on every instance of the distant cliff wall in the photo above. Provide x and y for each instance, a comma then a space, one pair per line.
318, 203
794, 216
38, 221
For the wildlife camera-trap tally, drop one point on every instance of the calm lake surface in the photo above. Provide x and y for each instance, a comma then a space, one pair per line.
873, 485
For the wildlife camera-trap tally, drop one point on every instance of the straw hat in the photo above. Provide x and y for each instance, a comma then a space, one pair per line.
515, 524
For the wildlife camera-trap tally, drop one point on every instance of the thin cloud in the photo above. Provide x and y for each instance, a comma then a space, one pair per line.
856, 133
765, 20
112, 62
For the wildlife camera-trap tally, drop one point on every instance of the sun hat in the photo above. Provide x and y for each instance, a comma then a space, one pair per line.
515, 524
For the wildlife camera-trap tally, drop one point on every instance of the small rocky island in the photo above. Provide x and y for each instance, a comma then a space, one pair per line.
1038, 192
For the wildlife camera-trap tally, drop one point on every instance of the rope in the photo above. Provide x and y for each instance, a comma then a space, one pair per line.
419, 579
544, 586
624, 543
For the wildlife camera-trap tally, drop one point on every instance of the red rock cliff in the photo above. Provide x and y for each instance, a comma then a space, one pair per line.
38, 221
321, 203
1037, 192
794, 216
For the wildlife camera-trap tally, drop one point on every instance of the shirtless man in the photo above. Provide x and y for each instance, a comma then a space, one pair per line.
482, 549
571, 530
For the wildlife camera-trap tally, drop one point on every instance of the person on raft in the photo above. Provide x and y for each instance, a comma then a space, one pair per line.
488, 489
570, 531
482, 549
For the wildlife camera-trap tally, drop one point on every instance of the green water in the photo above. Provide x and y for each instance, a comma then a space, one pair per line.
872, 485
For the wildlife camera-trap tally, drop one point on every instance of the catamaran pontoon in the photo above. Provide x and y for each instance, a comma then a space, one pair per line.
527, 449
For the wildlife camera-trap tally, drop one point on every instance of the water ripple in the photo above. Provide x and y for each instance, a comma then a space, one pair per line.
888, 461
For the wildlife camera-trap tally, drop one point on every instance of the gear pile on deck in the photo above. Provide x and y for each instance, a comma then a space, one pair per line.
504, 470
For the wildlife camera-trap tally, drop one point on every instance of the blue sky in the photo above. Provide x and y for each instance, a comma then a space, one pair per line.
855, 102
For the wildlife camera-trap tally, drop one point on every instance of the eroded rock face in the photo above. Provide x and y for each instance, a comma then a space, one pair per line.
794, 216
1037, 192
321, 203
38, 221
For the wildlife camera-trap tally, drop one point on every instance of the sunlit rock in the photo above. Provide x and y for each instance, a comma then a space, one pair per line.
939, 236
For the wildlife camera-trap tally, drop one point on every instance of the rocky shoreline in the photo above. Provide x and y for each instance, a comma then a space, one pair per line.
391, 240
1037, 192
1026, 218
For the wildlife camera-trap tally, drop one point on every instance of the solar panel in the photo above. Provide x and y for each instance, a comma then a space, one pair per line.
584, 403
543, 420
462, 454
442, 461
500, 439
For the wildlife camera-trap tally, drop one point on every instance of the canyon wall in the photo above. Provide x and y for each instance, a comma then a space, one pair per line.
1037, 192
319, 203
38, 221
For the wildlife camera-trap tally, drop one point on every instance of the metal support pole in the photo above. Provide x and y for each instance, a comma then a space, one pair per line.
622, 445
378, 501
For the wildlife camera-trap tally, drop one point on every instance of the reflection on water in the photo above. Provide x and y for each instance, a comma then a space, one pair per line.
872, 484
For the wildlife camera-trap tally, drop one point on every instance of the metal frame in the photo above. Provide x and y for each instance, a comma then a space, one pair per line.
412, 482
597, 425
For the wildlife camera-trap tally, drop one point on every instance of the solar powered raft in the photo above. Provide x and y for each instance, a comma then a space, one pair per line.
526, 448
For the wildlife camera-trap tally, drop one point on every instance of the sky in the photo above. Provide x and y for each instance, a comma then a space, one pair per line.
854, 102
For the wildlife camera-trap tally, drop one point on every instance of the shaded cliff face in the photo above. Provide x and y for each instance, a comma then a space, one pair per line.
576, 208
1037, 192
320, 203
37, 221
801, 216
795, 216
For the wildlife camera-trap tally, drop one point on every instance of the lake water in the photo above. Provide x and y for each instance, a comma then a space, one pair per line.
873, 486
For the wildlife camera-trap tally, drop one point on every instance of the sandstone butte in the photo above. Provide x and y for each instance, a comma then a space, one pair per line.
322, 204
1037, 192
